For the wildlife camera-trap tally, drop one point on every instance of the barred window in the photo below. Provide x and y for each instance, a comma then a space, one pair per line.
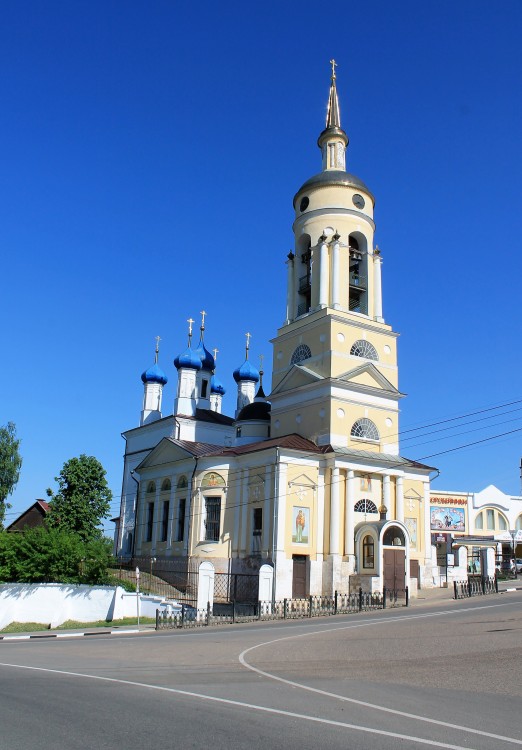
300, 354
181, 518
365, 506
165, 521
364, 349
365, 429
212, 518
150, 521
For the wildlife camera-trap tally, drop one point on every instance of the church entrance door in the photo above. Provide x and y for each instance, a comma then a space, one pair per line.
299, 576
394, 569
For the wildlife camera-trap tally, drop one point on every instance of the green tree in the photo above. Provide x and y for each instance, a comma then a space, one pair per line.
52, 555
83, 499
10, 465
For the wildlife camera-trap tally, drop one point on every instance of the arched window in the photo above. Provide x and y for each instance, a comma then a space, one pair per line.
358, 274
362, 348
151, 487
182, 482
368, 552
492, 520
300, 354
365, 506
365, 430
165, 485
518, 524
394, 536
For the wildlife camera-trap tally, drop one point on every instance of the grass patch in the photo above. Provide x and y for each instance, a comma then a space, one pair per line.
30, 627
74, 625
24, 627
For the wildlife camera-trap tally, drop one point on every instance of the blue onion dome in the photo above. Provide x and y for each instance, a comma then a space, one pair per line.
246, 372
189, 359
216, 386
154, 375
207, 360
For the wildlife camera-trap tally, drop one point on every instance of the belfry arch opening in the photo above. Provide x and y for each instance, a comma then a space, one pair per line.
358, 274
304, 275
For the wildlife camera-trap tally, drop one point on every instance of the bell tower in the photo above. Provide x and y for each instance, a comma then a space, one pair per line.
335, 378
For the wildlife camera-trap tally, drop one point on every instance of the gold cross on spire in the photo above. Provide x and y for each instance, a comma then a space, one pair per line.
261, 358
334, 65
202, 313
158, 339
191, 323
215, 353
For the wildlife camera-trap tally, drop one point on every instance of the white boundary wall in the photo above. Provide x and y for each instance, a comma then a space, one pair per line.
54, 603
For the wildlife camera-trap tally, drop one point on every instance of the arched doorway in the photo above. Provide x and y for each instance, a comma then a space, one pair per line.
394, 558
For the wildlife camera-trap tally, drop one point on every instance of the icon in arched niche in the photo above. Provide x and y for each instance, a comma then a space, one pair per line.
212, 479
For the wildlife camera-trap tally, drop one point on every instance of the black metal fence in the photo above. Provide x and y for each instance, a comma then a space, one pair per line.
236, 587
475, 586
285, 609
172, 579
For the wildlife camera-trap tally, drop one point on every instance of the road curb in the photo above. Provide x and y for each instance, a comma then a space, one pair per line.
42, 636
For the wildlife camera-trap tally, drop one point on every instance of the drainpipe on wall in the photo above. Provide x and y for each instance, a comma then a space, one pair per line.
135, 514
192, 496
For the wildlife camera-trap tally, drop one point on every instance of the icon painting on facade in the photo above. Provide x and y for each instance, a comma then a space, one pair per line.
300, 525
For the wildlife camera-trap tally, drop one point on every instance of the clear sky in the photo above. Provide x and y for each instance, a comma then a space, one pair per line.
150, 154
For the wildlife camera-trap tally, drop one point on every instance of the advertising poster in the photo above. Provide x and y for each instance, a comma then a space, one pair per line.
447, 519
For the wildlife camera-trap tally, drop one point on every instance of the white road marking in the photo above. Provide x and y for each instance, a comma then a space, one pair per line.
251, 706
373, 706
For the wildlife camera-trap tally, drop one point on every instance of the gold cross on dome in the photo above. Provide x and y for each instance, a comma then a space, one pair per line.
334, 65
202, 313
191, 322
261, 358
158, 339
215, 353
248, 337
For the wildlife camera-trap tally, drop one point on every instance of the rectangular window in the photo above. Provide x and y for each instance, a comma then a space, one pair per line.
204, 387
165, 521
212, 519
258, 521
181, 519
150, 521
490, 519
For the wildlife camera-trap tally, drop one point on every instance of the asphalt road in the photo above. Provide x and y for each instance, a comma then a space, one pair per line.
445, 675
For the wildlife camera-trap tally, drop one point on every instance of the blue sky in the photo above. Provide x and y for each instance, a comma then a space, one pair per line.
150, 154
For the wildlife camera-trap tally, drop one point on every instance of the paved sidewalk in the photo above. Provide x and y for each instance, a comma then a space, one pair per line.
425, 597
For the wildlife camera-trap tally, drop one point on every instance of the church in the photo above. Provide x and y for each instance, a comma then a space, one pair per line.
308, 479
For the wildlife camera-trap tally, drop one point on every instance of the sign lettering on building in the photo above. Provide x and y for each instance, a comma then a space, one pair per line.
449, 500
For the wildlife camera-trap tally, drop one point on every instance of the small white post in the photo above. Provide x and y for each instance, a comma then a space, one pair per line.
138, 594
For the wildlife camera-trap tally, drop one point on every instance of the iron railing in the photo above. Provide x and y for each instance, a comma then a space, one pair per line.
284, 609
172, 579
475, 586
358, 280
